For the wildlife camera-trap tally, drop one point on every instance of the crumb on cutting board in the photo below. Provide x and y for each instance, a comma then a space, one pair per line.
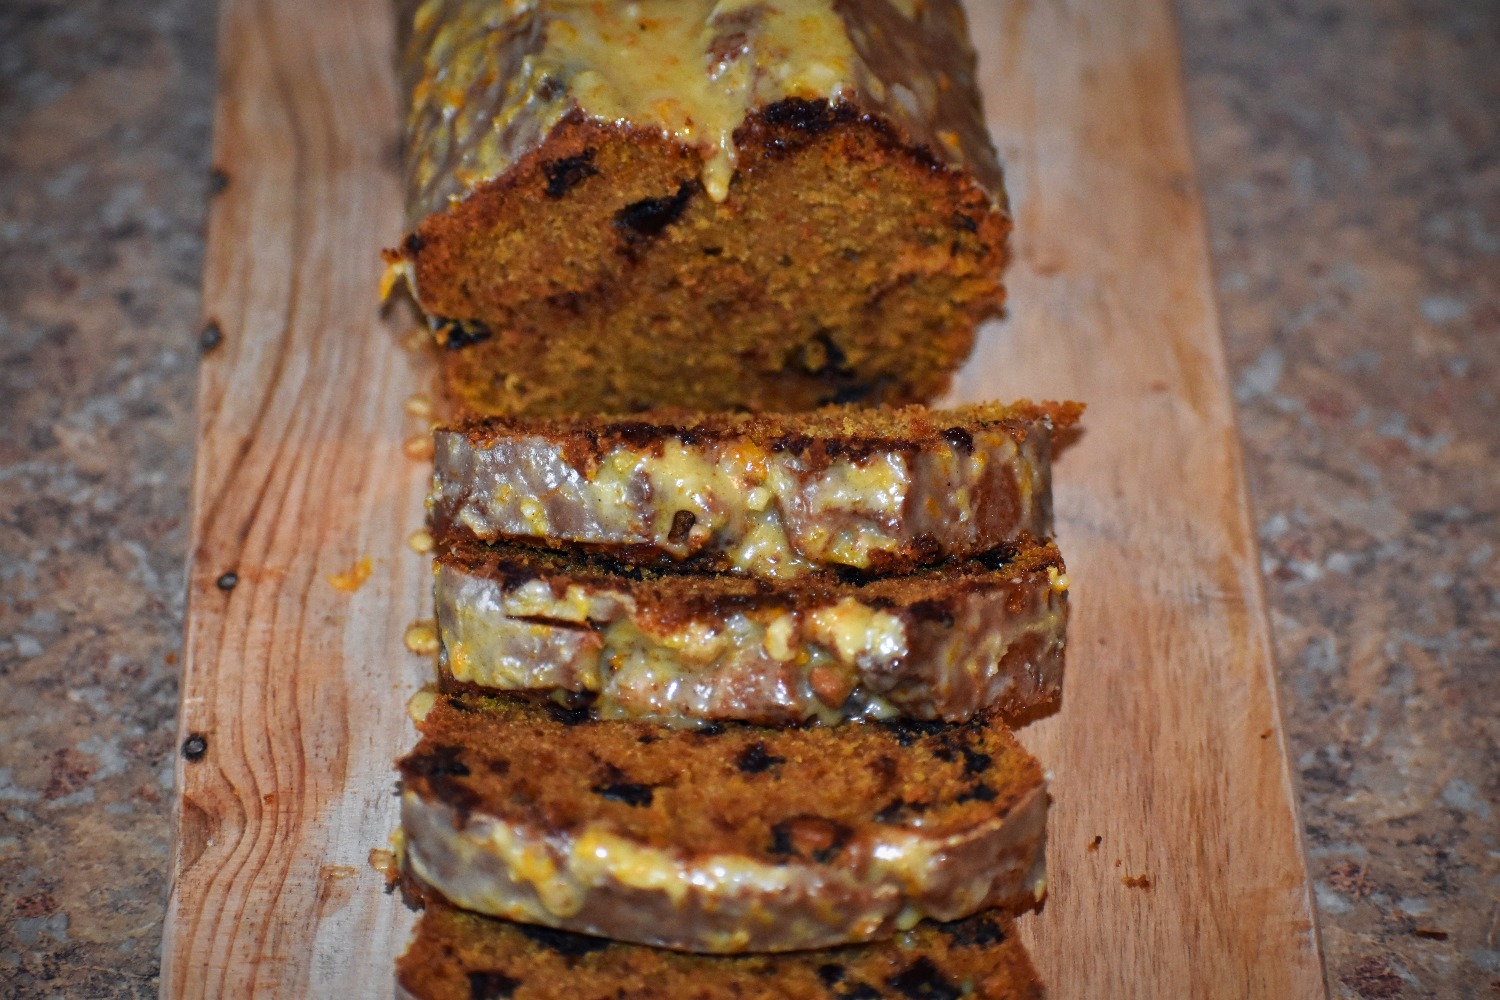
354, 577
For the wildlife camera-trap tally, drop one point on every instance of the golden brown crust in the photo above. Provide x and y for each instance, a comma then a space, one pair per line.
830, 431
487, 80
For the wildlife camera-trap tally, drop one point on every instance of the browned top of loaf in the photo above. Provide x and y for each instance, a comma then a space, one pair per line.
478, 105
832, 431
673, 594
818, 794
458, 955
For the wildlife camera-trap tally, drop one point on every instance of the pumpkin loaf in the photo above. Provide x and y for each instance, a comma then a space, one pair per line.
618, 206
945, 642
727, 839
457, 955
774, 496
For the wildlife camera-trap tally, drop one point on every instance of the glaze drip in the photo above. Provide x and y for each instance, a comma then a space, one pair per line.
489, 79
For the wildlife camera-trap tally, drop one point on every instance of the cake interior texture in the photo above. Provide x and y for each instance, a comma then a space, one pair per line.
843, 266
769, 795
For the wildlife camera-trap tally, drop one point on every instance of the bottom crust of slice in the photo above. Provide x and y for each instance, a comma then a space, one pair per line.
457, 955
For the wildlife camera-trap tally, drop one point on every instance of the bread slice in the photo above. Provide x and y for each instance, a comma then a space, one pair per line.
772, 496
727, 839
614, 206
944, 642
457, 955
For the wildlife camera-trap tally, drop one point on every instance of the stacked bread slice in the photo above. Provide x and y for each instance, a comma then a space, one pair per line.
735, 686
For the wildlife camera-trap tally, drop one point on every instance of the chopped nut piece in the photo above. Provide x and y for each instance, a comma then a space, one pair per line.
354, 577
832, 686
418, 447
422, 637
422, 702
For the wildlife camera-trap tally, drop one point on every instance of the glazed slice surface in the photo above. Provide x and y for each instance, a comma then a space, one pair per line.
770, 496
729, 839
457, 955
944, 642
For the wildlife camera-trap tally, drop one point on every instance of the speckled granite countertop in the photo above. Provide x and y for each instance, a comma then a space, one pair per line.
1349, 152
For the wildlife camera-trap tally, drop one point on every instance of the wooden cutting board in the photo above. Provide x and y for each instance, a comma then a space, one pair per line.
1176, 866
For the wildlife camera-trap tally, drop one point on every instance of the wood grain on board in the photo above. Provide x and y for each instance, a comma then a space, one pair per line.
1174, 853
1176, 869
